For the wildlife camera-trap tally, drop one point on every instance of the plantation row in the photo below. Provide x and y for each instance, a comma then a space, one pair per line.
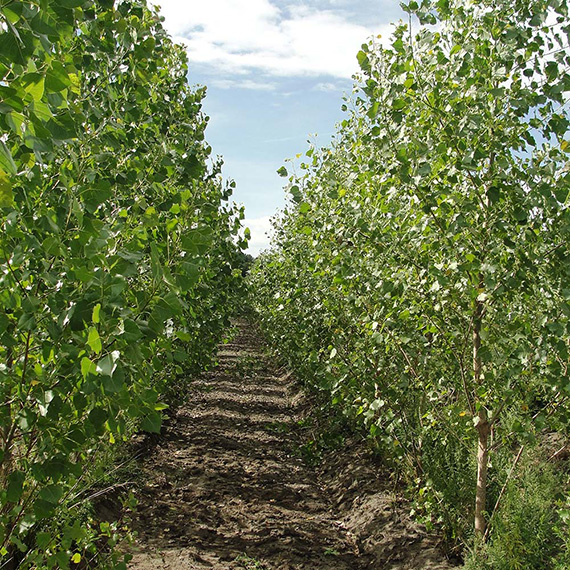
118, 259
420, 274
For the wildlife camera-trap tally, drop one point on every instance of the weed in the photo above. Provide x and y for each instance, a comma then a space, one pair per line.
278, 427
331, 552
530, 529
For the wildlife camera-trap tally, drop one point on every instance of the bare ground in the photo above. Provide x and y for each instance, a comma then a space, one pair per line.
226, 486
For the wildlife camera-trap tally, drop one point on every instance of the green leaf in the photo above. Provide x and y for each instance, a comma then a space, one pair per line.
520, 215
551, 70
37, 144
43, 540
74, 532
42, 112
97, 417
34, 84
188, 276
296, 194
87, 367
282, 172
62, 127
399, 104
96, 313
493, 194
43, 509
15, 486
6, 161
155, 264
106, 366
197, 240
6, 194
57, 78
4, 323
132, 332
152, 422
10, 48
52, 494
71, 3
363, 60
113, 384
13, 12
94, 341
166, 308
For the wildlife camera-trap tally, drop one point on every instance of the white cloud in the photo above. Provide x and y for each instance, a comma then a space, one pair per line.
329, 87
244, 36
260, 229
242, 84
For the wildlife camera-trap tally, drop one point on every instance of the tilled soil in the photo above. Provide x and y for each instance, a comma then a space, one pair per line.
225, 487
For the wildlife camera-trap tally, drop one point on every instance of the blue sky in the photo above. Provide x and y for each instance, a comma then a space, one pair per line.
276, 72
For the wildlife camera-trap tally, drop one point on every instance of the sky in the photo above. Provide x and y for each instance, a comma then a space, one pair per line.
276, 72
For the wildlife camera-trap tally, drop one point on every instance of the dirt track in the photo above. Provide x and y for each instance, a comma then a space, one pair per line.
227, 488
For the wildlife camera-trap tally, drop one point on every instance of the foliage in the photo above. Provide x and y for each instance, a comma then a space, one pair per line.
118, 263
420, 271
249, 563
530, 531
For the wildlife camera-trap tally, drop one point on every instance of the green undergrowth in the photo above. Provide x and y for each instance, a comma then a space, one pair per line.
529, 501
530, 527
249, 563
322, 428
91, 527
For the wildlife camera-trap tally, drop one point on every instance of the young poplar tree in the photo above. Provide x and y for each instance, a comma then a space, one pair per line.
118, 255
474, 117
433, 237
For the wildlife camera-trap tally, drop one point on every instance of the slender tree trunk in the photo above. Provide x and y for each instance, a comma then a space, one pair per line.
6, 463
482, 464
483, 427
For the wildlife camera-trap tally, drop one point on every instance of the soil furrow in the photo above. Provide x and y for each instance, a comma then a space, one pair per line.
226, 487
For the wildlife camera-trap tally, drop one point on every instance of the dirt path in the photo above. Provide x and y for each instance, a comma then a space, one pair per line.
225, 487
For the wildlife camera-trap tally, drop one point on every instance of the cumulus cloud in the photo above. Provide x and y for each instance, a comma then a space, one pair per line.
242, 84
329, 86
245, 36
260, 229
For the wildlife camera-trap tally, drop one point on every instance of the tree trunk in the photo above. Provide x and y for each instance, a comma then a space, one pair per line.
483, 429
483, 426
6, 462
